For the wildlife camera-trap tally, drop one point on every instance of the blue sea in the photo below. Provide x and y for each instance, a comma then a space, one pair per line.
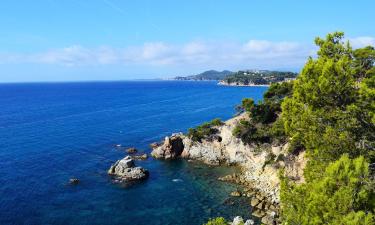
51, 132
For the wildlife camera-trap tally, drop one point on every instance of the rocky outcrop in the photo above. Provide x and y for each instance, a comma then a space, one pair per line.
240, 221
171, 148
260, 164
125, 170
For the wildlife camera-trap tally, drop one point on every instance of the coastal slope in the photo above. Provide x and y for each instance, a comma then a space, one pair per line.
259, 173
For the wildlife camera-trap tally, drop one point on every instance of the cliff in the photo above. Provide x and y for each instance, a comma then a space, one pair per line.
260, 164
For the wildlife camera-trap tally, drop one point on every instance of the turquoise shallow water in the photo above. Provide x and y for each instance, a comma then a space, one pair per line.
50, 132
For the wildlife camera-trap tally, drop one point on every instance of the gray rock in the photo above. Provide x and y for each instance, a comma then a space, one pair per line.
125, 170
268, 220
249, 222
237, 220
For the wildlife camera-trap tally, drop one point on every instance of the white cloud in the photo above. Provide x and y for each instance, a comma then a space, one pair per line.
360, 42
251, 54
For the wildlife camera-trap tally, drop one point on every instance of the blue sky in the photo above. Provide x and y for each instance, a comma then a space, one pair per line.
50, 40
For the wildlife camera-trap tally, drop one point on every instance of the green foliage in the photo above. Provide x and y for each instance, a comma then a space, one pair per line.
331, 111
331, 115
258, 77
264, 125
205, 130
343, 195
270, 158
364, 59
252, 133
207, 75
247, 104
217, 221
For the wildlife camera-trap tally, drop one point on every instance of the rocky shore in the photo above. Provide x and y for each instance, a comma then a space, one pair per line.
224, 83
259, 164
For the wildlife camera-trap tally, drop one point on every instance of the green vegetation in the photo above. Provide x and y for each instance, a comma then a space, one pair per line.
217, 221
264, 125
331, 116
207, 75
258, 77
204, 131
329, 112
343, 195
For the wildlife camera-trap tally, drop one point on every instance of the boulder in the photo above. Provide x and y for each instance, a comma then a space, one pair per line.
171, 148
125, 170
237, 221
249, 222
268, 220
260, 205
254, 202
235, 194
258, 213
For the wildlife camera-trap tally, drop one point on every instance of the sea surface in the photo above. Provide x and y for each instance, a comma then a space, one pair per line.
51, 132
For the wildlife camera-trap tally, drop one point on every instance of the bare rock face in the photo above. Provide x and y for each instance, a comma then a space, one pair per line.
171, 148
125, 170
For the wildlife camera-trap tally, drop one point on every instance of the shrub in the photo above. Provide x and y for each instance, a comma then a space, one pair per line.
205, 130
217, 221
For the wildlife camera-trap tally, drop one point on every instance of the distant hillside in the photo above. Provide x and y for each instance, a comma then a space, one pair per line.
207, 75
257, 77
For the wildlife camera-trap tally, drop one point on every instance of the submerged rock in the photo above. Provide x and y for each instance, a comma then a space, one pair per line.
139, 157
131, 150
73, 181
125, 170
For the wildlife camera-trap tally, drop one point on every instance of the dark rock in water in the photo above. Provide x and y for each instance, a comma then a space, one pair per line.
228, 201
73, 181
140, 157
131, 150
125, 170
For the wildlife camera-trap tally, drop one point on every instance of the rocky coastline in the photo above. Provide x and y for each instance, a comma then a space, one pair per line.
237, 84
259, 172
